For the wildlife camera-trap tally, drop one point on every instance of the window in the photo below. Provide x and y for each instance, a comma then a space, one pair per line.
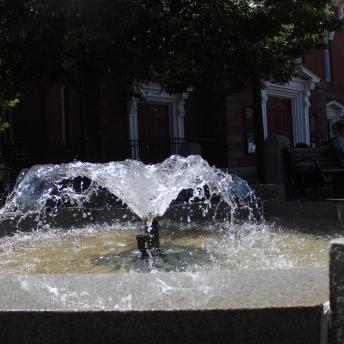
250, 139
328, 61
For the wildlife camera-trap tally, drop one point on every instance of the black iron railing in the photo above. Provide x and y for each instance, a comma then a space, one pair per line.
16, 157
155, 150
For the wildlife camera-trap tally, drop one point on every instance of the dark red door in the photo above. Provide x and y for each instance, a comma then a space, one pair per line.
280, 117
154, 132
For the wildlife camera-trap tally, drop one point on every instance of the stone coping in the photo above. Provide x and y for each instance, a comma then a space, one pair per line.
216, 290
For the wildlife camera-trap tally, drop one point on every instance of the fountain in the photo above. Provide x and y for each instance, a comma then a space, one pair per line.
147, 190
217, 273
206, 218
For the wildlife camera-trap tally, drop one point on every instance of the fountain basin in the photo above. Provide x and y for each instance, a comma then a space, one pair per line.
190, 247
231, 289
267, 306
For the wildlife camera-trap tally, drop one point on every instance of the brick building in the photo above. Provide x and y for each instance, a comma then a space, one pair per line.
303, 110
48, 126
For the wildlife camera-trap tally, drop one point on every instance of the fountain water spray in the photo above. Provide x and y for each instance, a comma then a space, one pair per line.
147, 190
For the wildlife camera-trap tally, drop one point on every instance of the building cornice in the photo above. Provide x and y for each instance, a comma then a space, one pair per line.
306, 74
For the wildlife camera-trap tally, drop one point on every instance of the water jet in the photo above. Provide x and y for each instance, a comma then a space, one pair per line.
146, 190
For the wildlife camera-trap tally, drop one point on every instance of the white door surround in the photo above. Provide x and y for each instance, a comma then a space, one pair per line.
152, 93
298, 90
335, 112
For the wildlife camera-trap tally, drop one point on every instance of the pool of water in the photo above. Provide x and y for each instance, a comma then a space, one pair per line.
188, 248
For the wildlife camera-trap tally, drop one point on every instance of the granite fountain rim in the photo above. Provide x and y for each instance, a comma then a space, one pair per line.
177, 291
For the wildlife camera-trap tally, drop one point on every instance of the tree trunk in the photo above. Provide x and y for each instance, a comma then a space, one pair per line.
259, 126
90, 113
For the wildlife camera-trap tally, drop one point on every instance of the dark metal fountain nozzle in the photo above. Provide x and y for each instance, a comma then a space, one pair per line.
150, 242
142, 245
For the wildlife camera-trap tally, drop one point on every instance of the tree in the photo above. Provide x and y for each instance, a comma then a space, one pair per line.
180, 43
287, 30
78, 43
229, 45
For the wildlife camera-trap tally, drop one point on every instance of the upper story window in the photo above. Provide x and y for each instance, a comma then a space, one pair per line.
341, 12
328, 58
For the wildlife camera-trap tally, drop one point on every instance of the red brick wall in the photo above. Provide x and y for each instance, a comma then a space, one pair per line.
315, 62
326, 91
53, 115
338, 63
114, 118
29, 117
74, 117
238, 158
193, 119
114, 123
205, 123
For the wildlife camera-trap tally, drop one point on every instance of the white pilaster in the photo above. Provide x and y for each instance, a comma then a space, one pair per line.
265, 99
307, 105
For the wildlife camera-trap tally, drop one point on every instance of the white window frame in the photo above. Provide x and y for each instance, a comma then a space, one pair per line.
335, 112
328, 57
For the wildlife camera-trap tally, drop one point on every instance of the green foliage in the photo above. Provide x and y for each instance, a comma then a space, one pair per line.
180, 43
5, 106
224, 42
